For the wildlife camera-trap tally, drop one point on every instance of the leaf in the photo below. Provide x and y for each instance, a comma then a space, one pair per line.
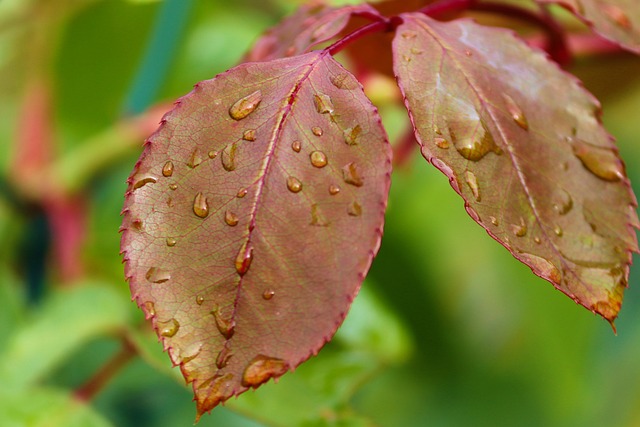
309, 26
522, 143
616, 20
252, 218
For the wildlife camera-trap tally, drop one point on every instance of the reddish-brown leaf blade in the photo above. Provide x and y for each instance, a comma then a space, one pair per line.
521, 141
616, 20
252, 218
310, 25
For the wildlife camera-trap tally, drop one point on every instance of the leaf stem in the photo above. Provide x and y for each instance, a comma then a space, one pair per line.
382, 24
445, 6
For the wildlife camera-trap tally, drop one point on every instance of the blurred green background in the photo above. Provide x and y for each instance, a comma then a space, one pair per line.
448, 330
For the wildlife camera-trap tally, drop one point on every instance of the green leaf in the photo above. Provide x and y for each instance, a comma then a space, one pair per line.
522, 143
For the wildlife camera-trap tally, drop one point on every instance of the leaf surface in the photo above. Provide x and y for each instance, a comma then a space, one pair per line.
252, 218
310, 25
616, 20
522, 143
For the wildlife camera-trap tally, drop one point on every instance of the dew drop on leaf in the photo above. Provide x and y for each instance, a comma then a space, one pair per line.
226, 325
136, 224
516, 112
223, 357
243, 259
558, 231
241, 193
296, 146
200, 206
537, 240
494, 220
212, 154
293, 184
167, 169
520, 230
245, 106
545, 267
354, 209
351, 134
149, 308
318, 159
323, 102
334, 189
317, 131
441, 143
230, 218
268, 294
173, 186
229, 157
409, 35
249, 135
168, 328
472, 182
602, 162
195, 159
341, 81
157, 275
261, 369
351, 175
317, 218
199, 299
564, 202
144, 181
475, 146
171, 241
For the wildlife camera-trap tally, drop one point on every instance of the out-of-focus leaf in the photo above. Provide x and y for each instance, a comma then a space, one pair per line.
253, 216
308, 26
522, 143
67, 319
616, 20
40, 407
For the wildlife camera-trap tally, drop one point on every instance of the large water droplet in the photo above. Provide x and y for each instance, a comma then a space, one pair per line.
200, 206
268, 294
223, 357
144, 181
244, 258
543, 267
245, 106
225, 323
318, 159
195, 159
231, 219
354, 209
149, 308
249, 135
323, 102
476, 144
519, 230
219, 387
296, 146
157, 275
171, 242
516, 112
229, 157
351, 134
167, 169
564, 202
351, 175
472, 182
334, 189
261, 369
168, 328
602, 162
294, 185
317, 131
241, 193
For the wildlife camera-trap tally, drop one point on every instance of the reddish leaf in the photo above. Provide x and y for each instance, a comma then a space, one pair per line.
310, 25
253, 216
616, 20
521, 141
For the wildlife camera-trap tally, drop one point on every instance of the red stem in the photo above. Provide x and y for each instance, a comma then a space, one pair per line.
382, 24
447, 6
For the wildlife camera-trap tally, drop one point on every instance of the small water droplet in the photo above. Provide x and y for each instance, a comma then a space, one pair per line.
317, 218
409, 35
406, 58
200, 206
441, 143
351, 135
417, 51
167, 169
261, 369
334, 189
268, 294
494, 220
323, 102
472, 182
516, 112
293, 184
342, 81
244, 259
317, 131
223, 357
542, 267
149, 308
437, 130
354, 209
231, 219
296, 146
157, 275
229, 157
171, 241
351, 175
249, 135
136, 224
195, 159
475, 145
564, 202
537, 240
602, 162
241, 193
318, 159
212, 154
520, 230
199, 299
225, 323
168, 328
558, 231
617, 15
144, 181
245, 106
173, 186
468, 52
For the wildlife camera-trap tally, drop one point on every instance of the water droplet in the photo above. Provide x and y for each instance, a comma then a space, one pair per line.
537, 240
244, 258
223, 357
476, 144
351, 134
317, 218
171, 241
219, 387
167, 169
200, 206
149, 308
472, 182
351, 175
136, 224
516, 112
437, 130
296, 146
409, 35
558, 231
144, 181
342, 81
602, 162
542, 267
468, 52
261, 369
519, 230
225, 324
318, 159
293, 184
230, 218
245, 106
564, 204
229, 157
354, 209
168, 328
195, 159
441, 143
317, 131
268, 294
173, 186
241, 193
199, 299
617, 15
157, 275
323, 102
191, 352
212, 154
334, 189
249, 135
494, 220
417, 51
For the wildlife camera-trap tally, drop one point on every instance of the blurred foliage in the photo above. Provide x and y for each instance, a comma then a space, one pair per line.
448, 330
